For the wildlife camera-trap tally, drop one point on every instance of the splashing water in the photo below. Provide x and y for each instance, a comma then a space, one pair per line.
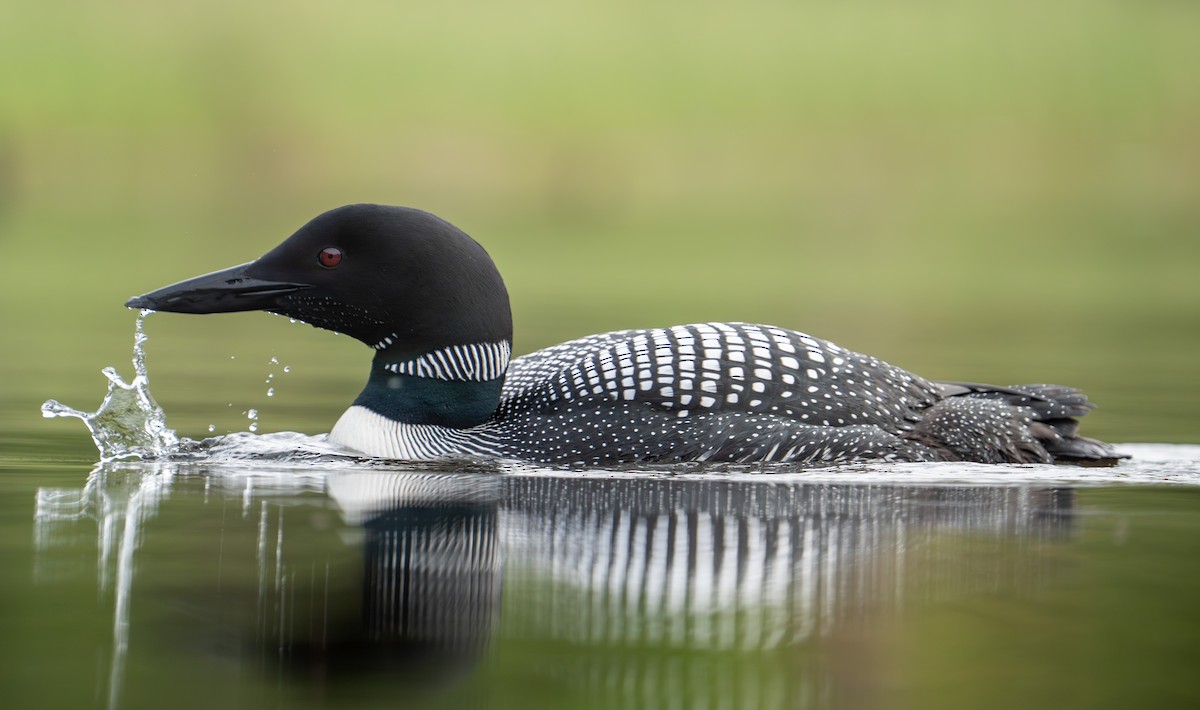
129, 423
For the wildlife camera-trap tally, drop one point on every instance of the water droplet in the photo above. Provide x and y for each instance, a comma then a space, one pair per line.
233, 357
274, 361
212, 428
287, 368
253, 426
270, 391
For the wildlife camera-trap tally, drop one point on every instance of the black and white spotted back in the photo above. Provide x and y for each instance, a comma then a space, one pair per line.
713, 391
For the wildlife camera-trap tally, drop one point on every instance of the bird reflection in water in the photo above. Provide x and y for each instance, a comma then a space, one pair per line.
618, 590
430, 581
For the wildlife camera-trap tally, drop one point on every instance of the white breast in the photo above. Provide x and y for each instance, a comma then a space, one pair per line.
375, 435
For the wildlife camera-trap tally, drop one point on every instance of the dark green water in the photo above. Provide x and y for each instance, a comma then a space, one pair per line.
324, 583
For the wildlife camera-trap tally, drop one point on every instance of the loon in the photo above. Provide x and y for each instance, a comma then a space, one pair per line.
431, 303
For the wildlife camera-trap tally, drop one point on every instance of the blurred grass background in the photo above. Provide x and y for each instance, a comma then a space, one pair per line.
998, 191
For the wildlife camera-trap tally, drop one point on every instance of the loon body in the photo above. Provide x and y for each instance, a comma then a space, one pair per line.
430, 302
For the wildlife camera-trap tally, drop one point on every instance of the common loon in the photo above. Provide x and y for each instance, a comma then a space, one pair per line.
430, 301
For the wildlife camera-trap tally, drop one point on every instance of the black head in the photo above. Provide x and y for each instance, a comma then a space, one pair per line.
369, 271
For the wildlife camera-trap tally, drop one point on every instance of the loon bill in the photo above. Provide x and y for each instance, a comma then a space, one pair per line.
429, 300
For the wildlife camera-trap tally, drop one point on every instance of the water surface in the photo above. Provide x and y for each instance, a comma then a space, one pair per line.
272, 570
330, 583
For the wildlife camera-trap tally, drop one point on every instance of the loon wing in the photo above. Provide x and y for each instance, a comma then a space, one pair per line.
714, 368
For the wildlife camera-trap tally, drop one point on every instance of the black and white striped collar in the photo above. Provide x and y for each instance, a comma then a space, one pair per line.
474, 362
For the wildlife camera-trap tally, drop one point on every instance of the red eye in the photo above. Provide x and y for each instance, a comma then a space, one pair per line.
330, 257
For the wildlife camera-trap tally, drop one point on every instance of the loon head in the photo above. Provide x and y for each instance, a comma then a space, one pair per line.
374, 272
413, 286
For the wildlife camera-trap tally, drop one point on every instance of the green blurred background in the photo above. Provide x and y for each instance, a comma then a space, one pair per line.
999, 191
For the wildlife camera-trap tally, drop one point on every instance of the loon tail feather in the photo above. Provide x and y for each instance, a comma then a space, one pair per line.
1052, 412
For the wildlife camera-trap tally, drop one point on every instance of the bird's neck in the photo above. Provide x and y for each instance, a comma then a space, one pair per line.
456, 386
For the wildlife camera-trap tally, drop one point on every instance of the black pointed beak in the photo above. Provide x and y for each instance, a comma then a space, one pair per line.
227, 291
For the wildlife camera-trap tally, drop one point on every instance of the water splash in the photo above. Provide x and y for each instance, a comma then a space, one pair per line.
129, 423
